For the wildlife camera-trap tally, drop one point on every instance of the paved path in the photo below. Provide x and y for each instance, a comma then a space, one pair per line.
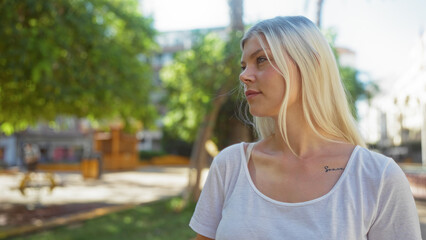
130, 187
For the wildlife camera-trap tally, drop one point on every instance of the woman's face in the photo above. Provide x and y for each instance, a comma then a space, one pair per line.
263, 85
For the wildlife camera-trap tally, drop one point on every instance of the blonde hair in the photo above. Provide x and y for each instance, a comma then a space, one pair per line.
324, 102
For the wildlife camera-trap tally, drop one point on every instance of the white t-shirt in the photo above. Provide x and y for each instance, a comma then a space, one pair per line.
371, 200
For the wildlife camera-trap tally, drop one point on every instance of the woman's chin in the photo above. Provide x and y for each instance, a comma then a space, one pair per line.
257, 113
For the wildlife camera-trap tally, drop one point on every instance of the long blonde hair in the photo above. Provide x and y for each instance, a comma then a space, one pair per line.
324, 102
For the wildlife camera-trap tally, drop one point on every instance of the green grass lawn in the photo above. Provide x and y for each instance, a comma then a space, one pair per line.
158, 220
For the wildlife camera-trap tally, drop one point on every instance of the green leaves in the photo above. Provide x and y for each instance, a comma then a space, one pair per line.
79, 58
195, 79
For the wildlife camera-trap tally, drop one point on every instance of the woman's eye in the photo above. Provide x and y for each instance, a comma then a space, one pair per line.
261, 59
243, 68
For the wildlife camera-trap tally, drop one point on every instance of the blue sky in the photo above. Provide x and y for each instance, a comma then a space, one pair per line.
383, 33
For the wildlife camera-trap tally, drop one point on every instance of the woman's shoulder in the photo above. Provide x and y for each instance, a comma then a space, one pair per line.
231, 151
376, 164
230, 155
372, 157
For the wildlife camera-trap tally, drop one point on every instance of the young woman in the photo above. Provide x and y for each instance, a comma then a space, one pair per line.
310, 175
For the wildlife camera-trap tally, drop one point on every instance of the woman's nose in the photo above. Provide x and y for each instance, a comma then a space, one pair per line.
246, 76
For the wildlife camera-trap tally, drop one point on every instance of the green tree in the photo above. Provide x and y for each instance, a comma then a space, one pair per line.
199, 83
354, 87
85, 58
191, 82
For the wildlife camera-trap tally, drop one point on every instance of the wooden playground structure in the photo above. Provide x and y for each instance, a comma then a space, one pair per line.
118, 150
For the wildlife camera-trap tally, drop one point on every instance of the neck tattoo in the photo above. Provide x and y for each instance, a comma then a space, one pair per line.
327, 169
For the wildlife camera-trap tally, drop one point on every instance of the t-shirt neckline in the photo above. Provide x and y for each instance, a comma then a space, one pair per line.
244, 162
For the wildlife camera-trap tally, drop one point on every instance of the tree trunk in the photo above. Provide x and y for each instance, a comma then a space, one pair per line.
199, 154
205, 131
236, 15
319, 5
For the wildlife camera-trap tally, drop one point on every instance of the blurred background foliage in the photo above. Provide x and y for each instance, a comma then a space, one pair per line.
84, 58
191, 82
203, 90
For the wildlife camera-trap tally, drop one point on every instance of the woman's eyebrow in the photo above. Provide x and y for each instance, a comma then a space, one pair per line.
255, 53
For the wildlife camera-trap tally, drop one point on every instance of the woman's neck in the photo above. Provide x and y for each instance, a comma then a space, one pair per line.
302, 140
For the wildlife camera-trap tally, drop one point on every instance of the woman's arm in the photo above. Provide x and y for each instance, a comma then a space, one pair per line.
208, 212
396, 216
201, 237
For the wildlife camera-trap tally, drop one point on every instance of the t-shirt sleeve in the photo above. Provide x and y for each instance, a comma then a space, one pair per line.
208, 211
396, 216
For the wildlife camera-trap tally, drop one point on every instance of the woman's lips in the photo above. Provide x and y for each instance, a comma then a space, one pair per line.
251, 94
